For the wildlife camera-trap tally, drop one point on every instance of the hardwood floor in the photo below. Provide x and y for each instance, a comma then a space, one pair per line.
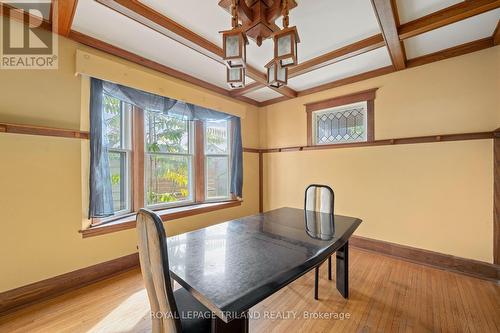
386, 295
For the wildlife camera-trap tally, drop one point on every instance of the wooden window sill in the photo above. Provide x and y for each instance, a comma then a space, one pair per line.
169, 214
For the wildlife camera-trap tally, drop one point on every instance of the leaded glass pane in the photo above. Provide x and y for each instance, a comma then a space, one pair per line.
341, 124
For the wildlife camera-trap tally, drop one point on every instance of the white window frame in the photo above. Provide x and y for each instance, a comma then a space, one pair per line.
337, 109
220, 198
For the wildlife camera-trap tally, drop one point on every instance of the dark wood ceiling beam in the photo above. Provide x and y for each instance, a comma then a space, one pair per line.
387, 20
164, 25
23, 16
459, 50
496, 34
446, 16
262, 78
65, 13
273, 101
248, 88
285, 91
343, 53
132, 57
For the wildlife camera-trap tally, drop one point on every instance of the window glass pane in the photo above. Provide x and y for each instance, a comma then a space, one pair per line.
112, 121
217, 177
118, 172
216, 137
167, 178
340, 125
166, 134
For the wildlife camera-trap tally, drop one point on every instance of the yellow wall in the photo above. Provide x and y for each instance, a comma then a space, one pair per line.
43, 180
436, 196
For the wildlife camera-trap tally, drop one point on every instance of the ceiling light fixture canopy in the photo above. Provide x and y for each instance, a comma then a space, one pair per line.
257, 22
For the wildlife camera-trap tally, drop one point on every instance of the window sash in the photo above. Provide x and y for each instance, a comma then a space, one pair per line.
191, 171
126, 149
190, 185
209, 155
127, 184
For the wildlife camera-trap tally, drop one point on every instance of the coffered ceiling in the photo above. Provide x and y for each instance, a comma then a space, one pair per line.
341, 41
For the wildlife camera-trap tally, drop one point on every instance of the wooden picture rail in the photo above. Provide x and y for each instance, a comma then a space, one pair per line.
389, 142
44, 131
58, 132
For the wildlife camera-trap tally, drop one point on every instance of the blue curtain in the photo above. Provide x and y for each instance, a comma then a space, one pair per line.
101, 197
236, 159
101, 200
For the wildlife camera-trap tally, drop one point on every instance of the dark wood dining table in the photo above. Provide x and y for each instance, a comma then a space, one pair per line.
230, 267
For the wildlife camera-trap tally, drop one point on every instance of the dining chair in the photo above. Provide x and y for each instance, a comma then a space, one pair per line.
320, 199
170, 311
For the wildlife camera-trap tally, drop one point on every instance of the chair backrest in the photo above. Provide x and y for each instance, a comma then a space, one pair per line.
319, 198
153, 257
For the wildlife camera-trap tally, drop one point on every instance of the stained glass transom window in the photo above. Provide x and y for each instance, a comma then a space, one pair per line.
342, 124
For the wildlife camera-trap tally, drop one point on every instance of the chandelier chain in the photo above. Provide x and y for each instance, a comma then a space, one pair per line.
234, 13
284, 11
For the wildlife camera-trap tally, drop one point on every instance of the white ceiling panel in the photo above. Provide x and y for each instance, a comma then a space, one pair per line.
410, 10
362, 63
204, 18
263, 94
473, 28
326, 25
323, 25
96, 20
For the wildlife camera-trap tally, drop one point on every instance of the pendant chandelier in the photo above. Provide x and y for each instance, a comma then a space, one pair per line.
258, 23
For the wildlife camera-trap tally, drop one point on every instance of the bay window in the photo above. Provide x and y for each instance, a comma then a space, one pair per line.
159, 153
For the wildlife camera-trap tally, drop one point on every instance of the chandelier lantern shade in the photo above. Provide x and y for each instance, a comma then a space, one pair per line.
285, 46
277, 75
234, 47
236, 77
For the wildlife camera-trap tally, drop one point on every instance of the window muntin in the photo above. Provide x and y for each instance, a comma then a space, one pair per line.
168, 160
217, 160
118, 138
341, 124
